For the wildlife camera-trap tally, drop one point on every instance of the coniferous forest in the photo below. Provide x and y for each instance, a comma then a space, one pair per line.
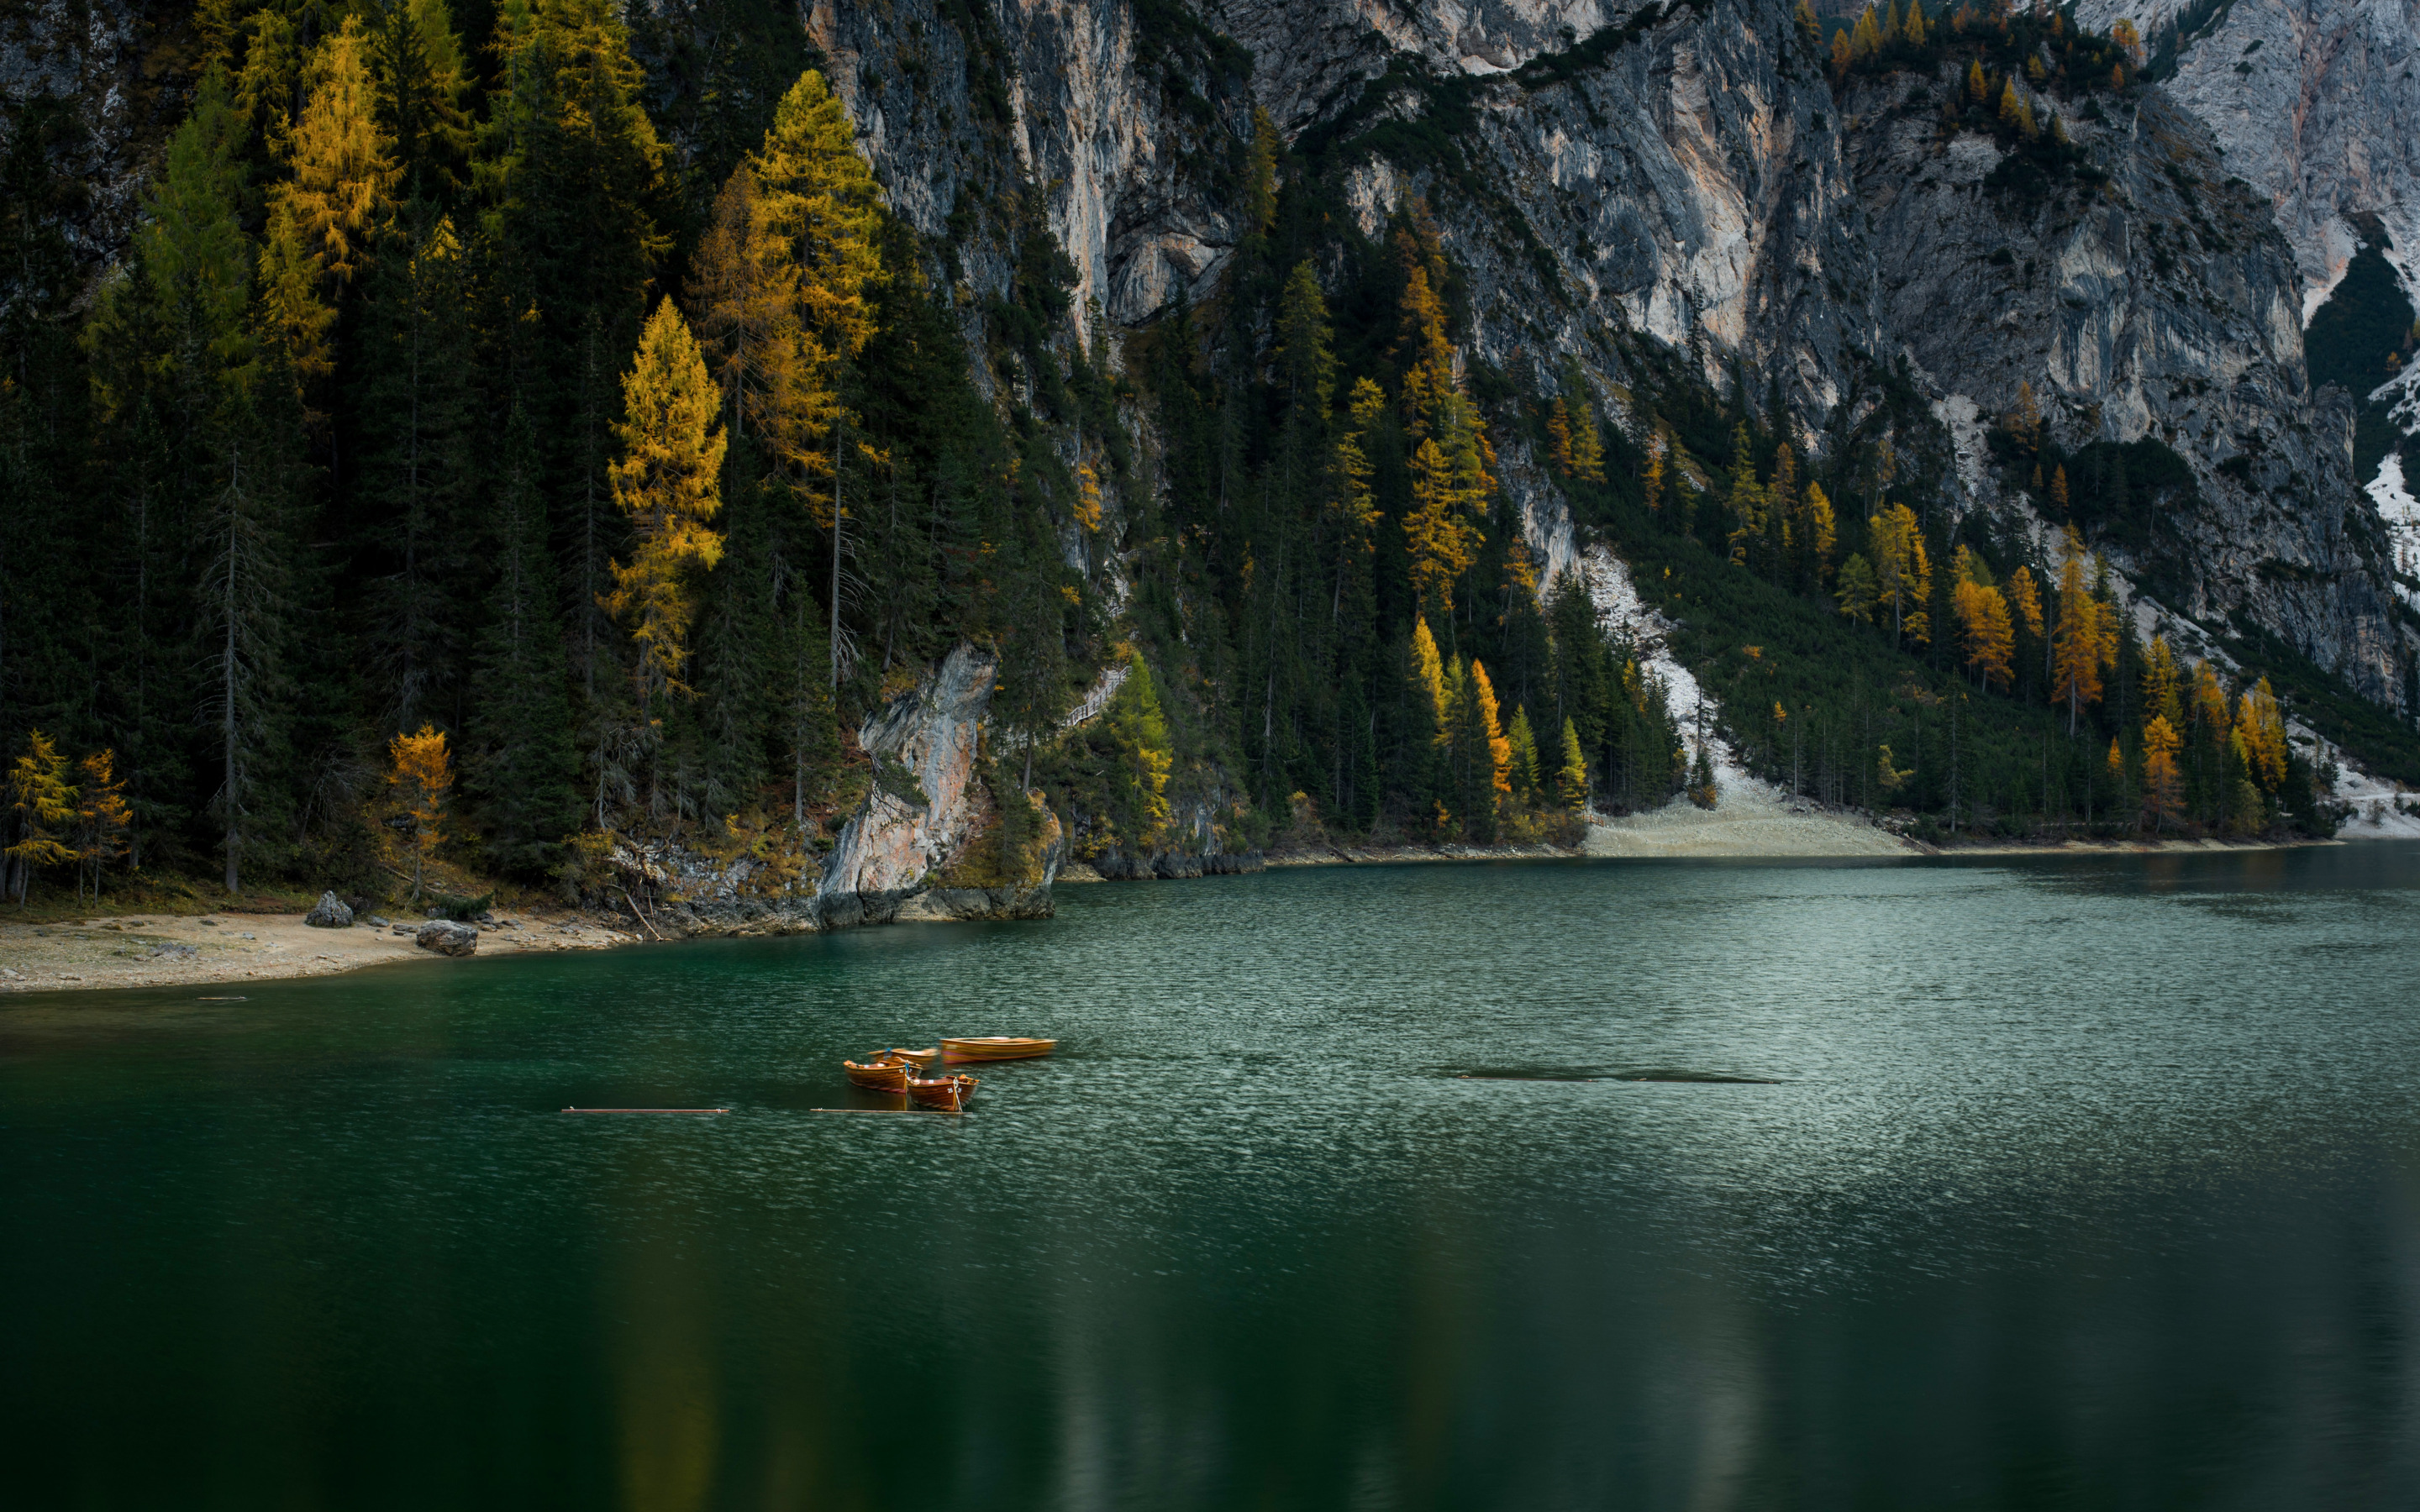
570, 396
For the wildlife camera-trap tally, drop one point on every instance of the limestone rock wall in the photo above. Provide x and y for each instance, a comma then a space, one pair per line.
2164, 303
2316, 105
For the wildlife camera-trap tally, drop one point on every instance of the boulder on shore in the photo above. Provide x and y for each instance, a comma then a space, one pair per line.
331, 912
446, 937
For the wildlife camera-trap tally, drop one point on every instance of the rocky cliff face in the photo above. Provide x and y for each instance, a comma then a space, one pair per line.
1629, 184
1067, 110
2145, 296
2316, 105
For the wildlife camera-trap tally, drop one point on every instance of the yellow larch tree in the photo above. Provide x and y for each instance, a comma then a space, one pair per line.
421, 770
1746, 500
1428, 668
1500, 749
1985, 632
321, 219
1820, 532
1902, 573
102, 818
667, 484
2262, 724
2160, 684
744, 296
1587, 446
1571, 779
43, 803
2083, 644
2026, 599
1558, 437
2162, 783
343, 161
818, 203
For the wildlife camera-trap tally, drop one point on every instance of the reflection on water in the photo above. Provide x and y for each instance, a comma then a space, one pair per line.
2069, 1180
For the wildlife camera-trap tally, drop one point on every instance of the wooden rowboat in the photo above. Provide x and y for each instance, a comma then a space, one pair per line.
949, 1093
885, 1072
922, 1057
995, 1048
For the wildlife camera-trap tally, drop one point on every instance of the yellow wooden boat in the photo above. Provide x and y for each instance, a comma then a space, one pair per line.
885, 1072
995, 1048
948, 1093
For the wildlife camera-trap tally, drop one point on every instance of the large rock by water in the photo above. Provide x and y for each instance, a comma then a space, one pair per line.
446, 937
331, 912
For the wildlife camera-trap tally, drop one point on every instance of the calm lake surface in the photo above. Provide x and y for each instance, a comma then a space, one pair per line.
2071, 1183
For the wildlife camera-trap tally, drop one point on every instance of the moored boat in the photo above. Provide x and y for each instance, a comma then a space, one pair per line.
885, 1072
995, 1048
948, 1093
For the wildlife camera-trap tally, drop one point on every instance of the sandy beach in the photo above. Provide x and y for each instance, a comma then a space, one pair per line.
156, 949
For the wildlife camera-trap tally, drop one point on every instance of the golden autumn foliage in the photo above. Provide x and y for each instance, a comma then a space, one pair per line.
421, 770
1902, 573
1451, 485
667, 483
1428, 669
2160, 683
102, 818
2261, 725
2026, 599
1571, 778
42, 801
1985, 632
2086, 639
2162, 783
1822, 529
1500, 749
344, 162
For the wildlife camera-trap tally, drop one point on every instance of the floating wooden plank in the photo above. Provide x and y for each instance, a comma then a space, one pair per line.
646, 1110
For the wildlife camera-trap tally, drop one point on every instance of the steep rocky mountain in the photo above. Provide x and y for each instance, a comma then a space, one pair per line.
2316, 104
1675, 186
2149, 304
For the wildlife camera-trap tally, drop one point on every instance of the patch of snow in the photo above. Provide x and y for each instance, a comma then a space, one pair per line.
2402, 512
1621, 606
2381, 809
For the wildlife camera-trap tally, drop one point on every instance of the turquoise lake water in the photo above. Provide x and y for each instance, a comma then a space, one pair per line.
2088, 1183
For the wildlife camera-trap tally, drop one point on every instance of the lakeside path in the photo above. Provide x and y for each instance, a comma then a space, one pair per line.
162, 950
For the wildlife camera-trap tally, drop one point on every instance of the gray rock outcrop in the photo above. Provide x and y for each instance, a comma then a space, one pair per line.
330, 912
446, 937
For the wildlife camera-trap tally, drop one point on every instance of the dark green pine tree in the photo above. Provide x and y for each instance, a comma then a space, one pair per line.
56, 633
738, 682
524, 768
415, 480
423, 83
574, 169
